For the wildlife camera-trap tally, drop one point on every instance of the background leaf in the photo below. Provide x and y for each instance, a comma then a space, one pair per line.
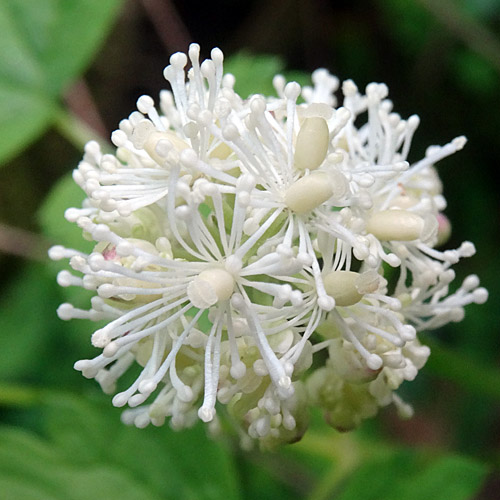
177, 465
65, 194
33, 469
254, 73
44, 45
406, 475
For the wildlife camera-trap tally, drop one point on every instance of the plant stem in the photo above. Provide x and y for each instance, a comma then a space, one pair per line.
474, 34
22, 243
168, 24
76, 131
19, 396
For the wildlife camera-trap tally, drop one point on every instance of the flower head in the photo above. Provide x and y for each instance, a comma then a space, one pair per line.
235, 239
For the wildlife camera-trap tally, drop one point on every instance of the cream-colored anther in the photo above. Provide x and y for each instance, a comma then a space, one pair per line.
209, 287
342, 286
158, 144
398, 225
312, 143
308, 192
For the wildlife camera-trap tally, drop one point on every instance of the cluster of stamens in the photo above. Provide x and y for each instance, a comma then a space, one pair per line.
236, 238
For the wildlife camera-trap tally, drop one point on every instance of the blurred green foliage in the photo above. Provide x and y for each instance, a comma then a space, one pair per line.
61, 439
55, 40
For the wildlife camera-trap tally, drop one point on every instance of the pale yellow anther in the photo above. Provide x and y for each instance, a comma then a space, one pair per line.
397, 225
312, 143
158, 142
308, 192
341, 285
210, 287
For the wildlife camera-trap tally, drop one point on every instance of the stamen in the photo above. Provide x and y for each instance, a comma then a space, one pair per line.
399, 225
308, 193
210, 287
312, 144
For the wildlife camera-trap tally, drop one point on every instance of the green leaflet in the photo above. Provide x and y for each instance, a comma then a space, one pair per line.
44, 46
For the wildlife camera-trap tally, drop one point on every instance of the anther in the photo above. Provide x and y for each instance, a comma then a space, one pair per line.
210, 287
397, 225
312, 143
308, 193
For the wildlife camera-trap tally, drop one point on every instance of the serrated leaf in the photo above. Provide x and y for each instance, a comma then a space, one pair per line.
44, 45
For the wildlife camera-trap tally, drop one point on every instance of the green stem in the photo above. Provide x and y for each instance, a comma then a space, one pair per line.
471, 374
342, 450
19, 396
76, 131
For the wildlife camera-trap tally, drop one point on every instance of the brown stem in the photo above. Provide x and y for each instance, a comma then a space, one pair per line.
22, 243
81, 103
168, 24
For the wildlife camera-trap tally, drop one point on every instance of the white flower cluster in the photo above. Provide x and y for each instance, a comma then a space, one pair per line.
266, 254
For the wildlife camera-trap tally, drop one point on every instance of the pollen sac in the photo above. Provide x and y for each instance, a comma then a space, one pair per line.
312, 144
308, 193
156, 143
343, 287
398, 225
210, 287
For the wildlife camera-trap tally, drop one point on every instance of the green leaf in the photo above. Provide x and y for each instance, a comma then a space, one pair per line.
24, 115
407, 475
475, 74
26, 321
444, 478
65, 194
481, 378
374, 479
14, 489
254, 74
32, 468
44, 45
33, 337
177, 465
91, 455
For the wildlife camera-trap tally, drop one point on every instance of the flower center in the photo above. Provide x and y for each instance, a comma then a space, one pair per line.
209, 287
